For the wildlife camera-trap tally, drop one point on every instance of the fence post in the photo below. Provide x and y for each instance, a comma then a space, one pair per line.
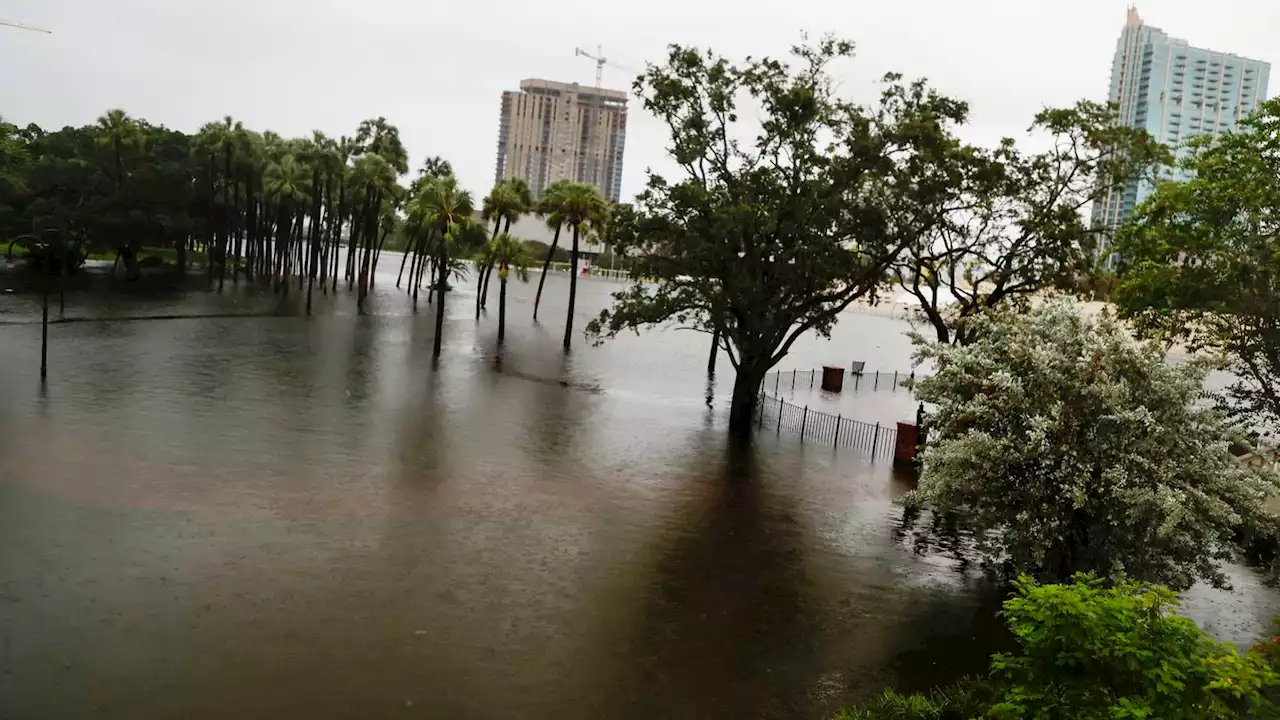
803, 422
781, 406
875, 442
777, 378
793, 379
877, 385
857, 379
895, 381
761, 409
837, 440
811, 379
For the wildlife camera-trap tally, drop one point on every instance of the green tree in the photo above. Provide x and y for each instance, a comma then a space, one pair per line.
765, 239
507, 254
503, 203
1199, 262
1066, 446
1018, 228
583, 209
441, 205
548, 208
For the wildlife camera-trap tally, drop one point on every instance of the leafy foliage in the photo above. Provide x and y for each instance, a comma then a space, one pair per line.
766, 238
1019, 228
1089, 651
1092, 651
1200, 262
1066, 446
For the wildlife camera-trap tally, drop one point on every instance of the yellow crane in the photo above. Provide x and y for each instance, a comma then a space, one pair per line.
20, 26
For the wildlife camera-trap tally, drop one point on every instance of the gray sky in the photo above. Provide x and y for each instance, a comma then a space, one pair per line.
436, 69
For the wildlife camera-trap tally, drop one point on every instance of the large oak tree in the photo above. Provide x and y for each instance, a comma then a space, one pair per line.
791, 205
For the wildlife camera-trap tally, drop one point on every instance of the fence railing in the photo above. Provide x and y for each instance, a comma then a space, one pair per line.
774, 413
780, 380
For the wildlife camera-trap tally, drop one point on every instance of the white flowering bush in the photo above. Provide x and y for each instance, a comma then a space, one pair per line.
1066, 446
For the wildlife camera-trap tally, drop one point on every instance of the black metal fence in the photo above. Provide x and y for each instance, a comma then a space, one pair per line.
777, 414
780, 380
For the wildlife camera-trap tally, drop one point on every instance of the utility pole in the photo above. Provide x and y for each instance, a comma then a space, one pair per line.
20, 26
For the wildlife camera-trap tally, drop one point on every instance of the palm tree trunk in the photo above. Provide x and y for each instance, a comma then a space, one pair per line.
573, 291
408, 248
443, 265
502, 304
551, 251
313, 236
226, 217
239, 230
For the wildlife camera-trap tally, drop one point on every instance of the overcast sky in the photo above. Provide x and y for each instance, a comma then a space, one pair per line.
437, 69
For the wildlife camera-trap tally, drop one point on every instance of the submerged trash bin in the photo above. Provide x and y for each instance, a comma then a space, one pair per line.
832, 378
905, 450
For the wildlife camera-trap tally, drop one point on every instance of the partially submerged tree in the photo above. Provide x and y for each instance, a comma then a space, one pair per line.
1020, 229
765, 239
1200, 262
1066, 446
509, 255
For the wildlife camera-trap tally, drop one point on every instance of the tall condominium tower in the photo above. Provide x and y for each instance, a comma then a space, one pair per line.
552, 131
1175, 91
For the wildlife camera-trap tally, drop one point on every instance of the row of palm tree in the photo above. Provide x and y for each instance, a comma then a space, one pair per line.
578, 206
277, 211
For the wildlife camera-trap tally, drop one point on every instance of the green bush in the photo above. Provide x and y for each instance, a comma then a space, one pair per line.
1089, 651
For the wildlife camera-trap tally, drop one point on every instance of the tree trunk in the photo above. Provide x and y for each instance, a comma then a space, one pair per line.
502, 304
746, 393
408, 248
443, 264
479, 285
313, 237
573, 291
551, 251
226, 218
237, 230
715, 347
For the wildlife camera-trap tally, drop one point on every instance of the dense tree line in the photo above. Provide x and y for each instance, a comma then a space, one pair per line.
309, 213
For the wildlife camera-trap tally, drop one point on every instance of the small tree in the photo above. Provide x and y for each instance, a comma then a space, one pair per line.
1066, 446
769, 237
1089, 652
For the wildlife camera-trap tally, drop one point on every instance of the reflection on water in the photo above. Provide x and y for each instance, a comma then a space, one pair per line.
283, 516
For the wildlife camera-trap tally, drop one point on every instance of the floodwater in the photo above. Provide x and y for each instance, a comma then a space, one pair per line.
289, 517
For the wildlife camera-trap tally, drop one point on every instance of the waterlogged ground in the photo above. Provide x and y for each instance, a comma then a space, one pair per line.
286, 517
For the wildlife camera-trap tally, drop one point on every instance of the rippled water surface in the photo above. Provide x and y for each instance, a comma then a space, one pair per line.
289, 517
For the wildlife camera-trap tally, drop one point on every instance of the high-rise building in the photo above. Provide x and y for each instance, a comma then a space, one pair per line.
1175, 91
551, 131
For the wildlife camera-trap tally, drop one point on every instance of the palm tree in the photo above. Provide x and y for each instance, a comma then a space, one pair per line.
376, 177
524, 204
508, 254
548, 208
502, 203
583, 209
284, 185
119, 132
441, 205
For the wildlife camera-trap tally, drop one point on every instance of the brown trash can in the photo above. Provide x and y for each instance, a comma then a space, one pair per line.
832, 378
905, 450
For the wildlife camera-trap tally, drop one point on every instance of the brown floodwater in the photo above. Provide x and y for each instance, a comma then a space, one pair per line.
287, 517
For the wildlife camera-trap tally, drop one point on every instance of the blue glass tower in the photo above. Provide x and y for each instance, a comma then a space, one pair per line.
1175, 91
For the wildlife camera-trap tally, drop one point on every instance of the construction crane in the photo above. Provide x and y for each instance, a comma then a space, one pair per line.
600, 61
20, 26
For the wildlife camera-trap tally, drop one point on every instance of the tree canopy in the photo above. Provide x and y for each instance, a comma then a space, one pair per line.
1066, 446
1019, 228
1200, 262
774, 227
